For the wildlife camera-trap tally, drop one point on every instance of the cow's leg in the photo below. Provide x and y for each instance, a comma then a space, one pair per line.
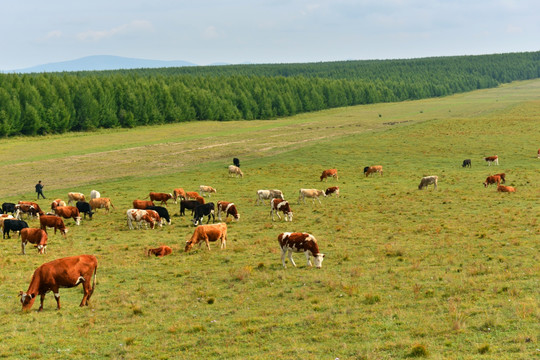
213, 217
307, 257
290, 258
219, 213
206, 240
223, 241
279, 216
23, 245
42, 298
57, 297
272, 213
283, 253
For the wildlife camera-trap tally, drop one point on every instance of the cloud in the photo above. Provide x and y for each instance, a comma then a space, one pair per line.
210, 33
133, 27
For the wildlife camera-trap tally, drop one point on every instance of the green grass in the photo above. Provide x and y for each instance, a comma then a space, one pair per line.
447, 274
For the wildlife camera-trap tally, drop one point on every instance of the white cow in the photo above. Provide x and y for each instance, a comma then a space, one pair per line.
268, 194
310, 193
207, 189
428, 180
235, 171
138, 216
94, 194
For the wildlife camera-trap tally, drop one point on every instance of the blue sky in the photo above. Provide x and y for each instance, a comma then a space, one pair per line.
268, 31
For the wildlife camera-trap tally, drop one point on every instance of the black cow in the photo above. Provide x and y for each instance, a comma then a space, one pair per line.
188, 204
236, 162
13, 225
202, 211
8, 207
85, 208
366, 169
466, 162
163, 212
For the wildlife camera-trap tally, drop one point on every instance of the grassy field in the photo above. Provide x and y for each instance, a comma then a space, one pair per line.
446, 274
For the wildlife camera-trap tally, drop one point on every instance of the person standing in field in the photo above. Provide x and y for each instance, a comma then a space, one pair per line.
39, 189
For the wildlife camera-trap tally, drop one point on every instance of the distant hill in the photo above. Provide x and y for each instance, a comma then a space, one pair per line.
103, 62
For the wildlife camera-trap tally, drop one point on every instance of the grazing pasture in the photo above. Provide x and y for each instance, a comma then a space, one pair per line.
450, 274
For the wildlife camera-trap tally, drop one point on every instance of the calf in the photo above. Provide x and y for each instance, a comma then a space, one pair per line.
162, 197
8, 207
179, 194
300, 242
160, 251
61, 273
466, 163
53, 221
188, 204
142, 204
493, 179
101, 203
163, 213
492, 160
277, 205
310, 193
268, 194
13, 225
368, 170
229, 209
33, 236
85, 209
428, 180
207, 190
203, 210
75, 196
207, 233
235, 171
329, 173
502, 188
69, 212
331, 191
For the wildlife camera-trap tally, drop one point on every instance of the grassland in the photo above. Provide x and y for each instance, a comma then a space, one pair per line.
447, 274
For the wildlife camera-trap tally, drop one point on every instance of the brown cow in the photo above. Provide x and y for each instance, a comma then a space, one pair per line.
53, 221
100, 203
332, 190
493, 179
75, 196
503, 177
228, 208
163, 197
192, 195
56, 203
199, 199
207, 233
179, 194
142, 204
368, 170
502, 188
160, 251
492, 160
68, 212
300, 242
34, 204
61, 273
25, 209
33, 236
329, 173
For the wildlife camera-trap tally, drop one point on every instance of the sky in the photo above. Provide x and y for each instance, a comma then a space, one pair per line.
36, 32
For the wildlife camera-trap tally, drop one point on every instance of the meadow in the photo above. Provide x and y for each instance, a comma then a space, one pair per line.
445, 274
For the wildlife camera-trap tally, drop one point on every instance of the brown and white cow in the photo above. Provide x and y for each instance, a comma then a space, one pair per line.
160, 251
492, 160
207, 190
503, 188
269, 194
36, 209
179, 194
149, 216
310, 193
68, 212
53, 221
142, 204
334, 190
161, 197
75, 196
34, 236
101, 203
235, 171
28, 209
277, 205
329, 173
61, 273
56, 203
502, 176
368, 170
428, 180
300, 242
228, 208
493, 179
207, 233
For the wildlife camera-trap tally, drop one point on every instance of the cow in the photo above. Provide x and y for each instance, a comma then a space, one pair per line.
428, 180
329, 173
191, 195
207, 190
75, 196
502, 188
69, 212
33, 236
310, 193
492, 160
162, 212
142, 204
228, 208
368, 170
188, 204
332, 190
159, 251
502, 176
8, 207
25, 209
101, 203
85, 208
300, 242
13, 225
236, 161
268, 194
235, 171
493, 179
200, 200
162, 197
61, 273
179, 194
56, 203
139, 216
466, 163
204, 210
34, 205
277, 205
53, 221
3, 218
207, 233
94, 194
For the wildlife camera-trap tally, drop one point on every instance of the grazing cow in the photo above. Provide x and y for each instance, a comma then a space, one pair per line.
56, 203
236, 161
492, 160
235, 171
310, 193
332, 190
268, 194
204, 210
34, 204
160, 251
466, 163
428, 180
26, 209
300, 242
502, 188
192, 195
13, 225
69, 212
188, 204
277, 205
75, 196
179, 194
329, 173
8, 207
493, 179
200, 200
53, 221
229, 209
33, 236
61, 273
85, 208
154, 215
142, 204
94, 194
207, 233
163, 213
207, 190
101, 203
162, 197
502, 176
139, 216
368, 170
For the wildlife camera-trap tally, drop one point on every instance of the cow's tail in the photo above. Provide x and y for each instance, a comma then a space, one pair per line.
93, 282
112, 205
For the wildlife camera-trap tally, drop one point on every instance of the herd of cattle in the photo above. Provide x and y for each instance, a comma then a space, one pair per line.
71, 271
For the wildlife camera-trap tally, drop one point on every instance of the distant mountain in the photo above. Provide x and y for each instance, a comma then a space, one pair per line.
102, 62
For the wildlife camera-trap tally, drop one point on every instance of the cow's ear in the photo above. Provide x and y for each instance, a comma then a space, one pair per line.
21, 293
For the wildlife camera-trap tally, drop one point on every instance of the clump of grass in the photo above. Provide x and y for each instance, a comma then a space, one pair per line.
241, 274
393, 250
136, 309
210, 301
370, 299
483, 349
129, 341
418, 350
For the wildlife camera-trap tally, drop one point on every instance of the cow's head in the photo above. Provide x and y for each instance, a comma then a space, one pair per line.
41, 248
189, 245
485, 183
317, 260
27, 300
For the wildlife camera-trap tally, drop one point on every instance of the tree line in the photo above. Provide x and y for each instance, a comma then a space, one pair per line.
43, 103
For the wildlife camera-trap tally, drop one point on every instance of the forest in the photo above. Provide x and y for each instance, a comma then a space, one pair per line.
52, 103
